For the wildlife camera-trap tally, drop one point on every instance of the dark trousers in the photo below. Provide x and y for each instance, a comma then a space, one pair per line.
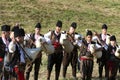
37, 63
86, 69
102, 65
55, 58
1, 67
119, 66
70, 58
112, 68
78, 65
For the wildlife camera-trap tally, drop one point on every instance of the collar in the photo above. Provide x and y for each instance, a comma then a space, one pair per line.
57, 33
4, 40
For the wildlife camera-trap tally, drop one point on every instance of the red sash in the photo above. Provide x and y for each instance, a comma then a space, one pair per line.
56, 44
1, 59
110, 65
20, 74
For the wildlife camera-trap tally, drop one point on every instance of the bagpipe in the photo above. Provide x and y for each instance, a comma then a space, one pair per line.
65, 42
117, 52
42, 44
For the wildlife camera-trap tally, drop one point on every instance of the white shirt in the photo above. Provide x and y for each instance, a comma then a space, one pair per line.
95, 38
36, 36
48, 36
22, 56
103, 36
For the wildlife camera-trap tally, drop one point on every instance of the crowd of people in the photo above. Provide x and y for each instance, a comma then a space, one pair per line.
13, 65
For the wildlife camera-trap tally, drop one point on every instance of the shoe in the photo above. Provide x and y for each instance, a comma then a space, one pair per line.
75, 78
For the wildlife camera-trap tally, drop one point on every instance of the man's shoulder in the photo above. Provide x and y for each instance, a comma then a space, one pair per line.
1, 41
42, 35
92, 42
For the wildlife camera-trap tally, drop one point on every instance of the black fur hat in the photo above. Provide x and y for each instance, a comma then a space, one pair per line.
22, 32
104, 26
89, 33
17, 33
38, 25
5, 28
59, 24
113, 38
74, 25
14, 28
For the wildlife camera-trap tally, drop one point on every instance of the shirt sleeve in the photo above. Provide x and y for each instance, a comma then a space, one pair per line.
105, 46
27, 37
22, 56
47, 35
98, 46
79, 42
95, 39
48, 40
11, 47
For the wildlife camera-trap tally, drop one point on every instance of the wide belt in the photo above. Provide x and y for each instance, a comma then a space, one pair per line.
86, 58
1, 59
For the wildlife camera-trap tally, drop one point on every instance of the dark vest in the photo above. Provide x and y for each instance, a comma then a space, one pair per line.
55, 41
111, 55
72, 36
32, 36
101, 36
16, 57
2, 47
55, 37
104, 52
84, 51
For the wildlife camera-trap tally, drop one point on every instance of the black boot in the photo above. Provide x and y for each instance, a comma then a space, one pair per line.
48, 75
64, 71
36, 76
27, 75
74, 71
100, 72
57, 75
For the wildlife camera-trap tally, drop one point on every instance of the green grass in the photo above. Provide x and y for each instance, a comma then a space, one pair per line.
87, 13
90, 14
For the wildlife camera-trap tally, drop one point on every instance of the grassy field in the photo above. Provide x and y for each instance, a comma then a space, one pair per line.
90, 14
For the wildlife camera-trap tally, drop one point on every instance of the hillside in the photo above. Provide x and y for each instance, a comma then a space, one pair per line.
89, 14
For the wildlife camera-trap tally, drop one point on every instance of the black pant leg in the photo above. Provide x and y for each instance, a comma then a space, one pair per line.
51, 62
59, 57
37, 63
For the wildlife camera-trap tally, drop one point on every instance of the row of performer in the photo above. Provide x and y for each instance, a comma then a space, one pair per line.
19, 51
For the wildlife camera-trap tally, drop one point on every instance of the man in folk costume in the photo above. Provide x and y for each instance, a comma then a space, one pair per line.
102, 61
37, 61
8, 72
113, 61
17, 63
73, 56
4, 42
86, 57
56, 57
